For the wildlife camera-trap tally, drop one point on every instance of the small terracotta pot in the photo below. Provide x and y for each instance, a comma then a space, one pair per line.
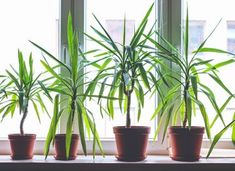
60, 148
131, 142
185, 143
22, 146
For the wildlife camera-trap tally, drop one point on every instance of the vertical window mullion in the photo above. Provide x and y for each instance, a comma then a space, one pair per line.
169, 17
77, 10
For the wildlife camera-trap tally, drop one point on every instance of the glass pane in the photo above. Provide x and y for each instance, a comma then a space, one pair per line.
111, 14
204, 15
22, 21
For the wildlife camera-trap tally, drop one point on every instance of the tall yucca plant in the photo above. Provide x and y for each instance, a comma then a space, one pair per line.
123, 69
23, 88
188, 85
70, 86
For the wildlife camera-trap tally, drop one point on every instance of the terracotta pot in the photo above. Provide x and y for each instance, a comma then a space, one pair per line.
185, 143
22, 146
60, 149
131, 142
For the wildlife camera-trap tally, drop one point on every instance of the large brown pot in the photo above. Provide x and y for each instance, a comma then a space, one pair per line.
60, 148
131, 142
22, 146
185, 143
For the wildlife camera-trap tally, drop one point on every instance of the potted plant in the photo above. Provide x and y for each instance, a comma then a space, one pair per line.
23, 89
181, 100
124, 70
69, 87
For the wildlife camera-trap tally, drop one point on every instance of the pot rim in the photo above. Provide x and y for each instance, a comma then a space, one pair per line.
74, 136
180, 129
19, 136
24, 135
132, 129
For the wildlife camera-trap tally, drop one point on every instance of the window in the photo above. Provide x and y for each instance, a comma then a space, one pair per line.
39, 21
22, 21
231, 36
201, 24
196, 35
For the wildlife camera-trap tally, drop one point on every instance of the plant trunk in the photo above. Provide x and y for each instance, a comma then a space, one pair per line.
22, 121
128, 118
186, 106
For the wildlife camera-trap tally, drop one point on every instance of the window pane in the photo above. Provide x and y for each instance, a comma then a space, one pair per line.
223, 38
21, 21
111, 14
231, 36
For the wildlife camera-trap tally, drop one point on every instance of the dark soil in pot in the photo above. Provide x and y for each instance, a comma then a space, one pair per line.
60, 149
185, 143
131, 142
22, 146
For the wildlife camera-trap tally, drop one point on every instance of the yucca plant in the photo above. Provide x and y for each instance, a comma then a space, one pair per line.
188, 82
70, 87
22, 89
185, 95
124, 69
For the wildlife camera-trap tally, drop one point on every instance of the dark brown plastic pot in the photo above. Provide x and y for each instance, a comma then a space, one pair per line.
185, 143
60, 149
22, 146
131, 142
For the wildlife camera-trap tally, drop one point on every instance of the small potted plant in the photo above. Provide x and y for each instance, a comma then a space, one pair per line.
124, 70
69, 86
23, 89
180, 102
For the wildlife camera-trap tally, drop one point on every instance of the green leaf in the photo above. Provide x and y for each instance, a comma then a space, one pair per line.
69, 131
14, 79
205, 117
215, 106
81, 113
52, 129
144, 76
218, 81
36, 110
51, 56
51, 70
194, 85
142, 25
233, 130
189, 109
204, 42
120, 96
45, 89
102, 89
214, 50
218, 136
111, 42
43, 106
220, 64
221, 110
168, 117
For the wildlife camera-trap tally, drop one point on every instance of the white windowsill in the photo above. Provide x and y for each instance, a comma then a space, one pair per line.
109, 163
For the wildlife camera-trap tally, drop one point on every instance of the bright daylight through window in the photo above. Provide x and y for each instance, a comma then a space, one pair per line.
201, 24
39, 21
22, 21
